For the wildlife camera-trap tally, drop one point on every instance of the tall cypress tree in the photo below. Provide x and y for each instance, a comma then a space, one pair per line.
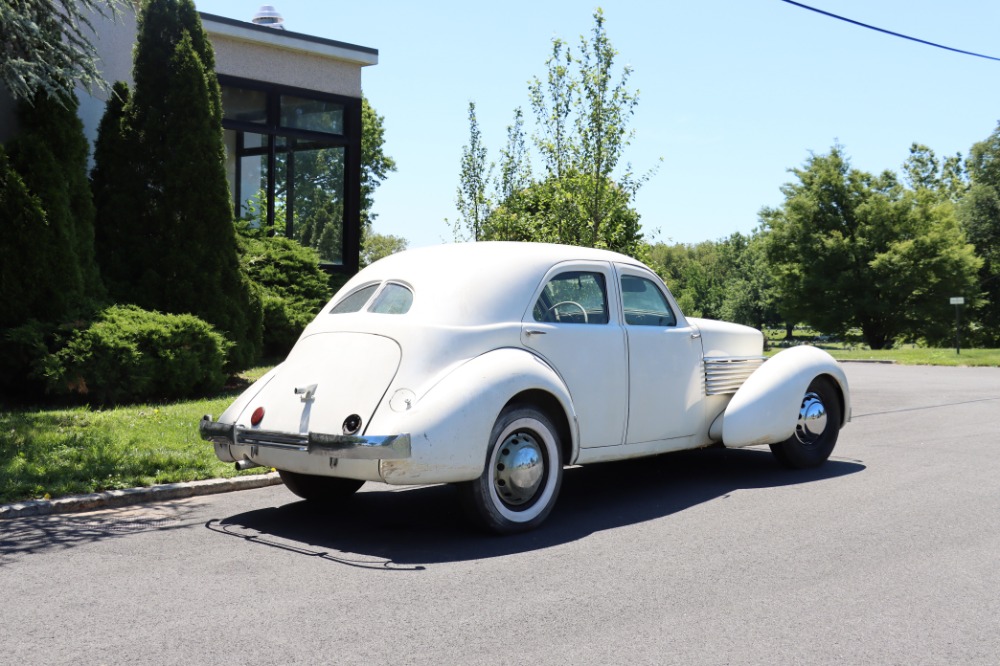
49, 264
26, 287
109, 184
58, 124
174, 248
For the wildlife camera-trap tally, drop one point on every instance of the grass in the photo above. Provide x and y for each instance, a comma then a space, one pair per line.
922, 356
851, 349
56, 452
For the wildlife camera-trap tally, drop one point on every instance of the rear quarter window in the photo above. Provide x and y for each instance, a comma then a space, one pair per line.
393, 299
354, 301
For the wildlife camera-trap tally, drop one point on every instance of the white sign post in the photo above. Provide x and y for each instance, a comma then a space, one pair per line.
958, 302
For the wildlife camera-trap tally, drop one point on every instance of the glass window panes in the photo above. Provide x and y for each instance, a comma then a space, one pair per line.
315, 115
644, 303
394, 299
284, 179
317, 199
354, 301
248, 106
574, 297
253, 179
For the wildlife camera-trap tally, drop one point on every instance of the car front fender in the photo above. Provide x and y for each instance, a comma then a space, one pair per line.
450, 425
766, 408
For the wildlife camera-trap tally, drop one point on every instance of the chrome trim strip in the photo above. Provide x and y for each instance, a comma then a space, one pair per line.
726, 374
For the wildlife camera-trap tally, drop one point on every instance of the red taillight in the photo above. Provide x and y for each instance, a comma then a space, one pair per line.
257, 417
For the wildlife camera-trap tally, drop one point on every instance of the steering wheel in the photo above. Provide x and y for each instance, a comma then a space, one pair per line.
558, 318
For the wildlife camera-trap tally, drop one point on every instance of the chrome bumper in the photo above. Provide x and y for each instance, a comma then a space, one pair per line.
391, 447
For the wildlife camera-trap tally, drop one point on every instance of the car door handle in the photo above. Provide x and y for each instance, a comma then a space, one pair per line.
695, 336
534, 331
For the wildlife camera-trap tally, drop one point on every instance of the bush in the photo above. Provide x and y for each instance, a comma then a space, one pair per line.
132, 355
293, 286
26, 359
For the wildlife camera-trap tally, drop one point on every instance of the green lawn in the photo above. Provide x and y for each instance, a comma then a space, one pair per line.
852, 349
922, 356
57, 452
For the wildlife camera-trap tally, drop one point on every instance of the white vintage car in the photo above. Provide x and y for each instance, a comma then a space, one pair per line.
494, 365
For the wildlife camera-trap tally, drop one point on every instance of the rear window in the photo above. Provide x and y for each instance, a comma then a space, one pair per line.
393, 299
355, 300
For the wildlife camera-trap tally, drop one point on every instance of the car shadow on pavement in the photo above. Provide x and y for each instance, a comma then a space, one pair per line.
408, 527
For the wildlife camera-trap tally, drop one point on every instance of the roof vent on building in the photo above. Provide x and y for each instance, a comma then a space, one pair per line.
268, 16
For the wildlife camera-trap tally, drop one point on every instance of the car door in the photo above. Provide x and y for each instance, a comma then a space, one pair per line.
574, 325
664, 361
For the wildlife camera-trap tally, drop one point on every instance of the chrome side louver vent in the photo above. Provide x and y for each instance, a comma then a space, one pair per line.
726, 374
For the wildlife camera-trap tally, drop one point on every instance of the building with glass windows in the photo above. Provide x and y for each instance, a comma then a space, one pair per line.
292, 122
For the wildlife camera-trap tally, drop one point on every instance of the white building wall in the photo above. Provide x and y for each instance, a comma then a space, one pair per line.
241, 49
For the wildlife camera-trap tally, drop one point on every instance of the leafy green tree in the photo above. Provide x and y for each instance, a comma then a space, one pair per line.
727, 279
47, 47
852, 249
979, 212
750, 295
605, 107
922, 170
472, 199
376, 246
583, 196
697, 274
177, 243
376, 165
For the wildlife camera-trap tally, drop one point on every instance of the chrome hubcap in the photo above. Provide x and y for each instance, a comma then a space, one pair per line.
812, 419
518, 469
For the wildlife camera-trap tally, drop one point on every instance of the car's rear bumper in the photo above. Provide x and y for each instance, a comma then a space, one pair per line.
389, 447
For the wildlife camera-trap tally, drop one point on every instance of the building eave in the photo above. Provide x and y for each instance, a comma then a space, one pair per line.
290, 41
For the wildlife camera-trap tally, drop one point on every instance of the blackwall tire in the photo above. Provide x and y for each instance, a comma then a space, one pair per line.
320, 489
522, 476
816, 431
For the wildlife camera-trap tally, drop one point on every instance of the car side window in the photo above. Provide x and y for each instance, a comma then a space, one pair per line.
644, 303
574, 297
354, 301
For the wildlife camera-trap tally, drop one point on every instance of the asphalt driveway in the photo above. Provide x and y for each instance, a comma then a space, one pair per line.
890, 554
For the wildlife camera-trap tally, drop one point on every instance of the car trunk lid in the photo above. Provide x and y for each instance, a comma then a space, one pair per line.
329, 380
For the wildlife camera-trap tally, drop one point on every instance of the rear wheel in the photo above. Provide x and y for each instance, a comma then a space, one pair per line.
523, 473
816, 430
319, 488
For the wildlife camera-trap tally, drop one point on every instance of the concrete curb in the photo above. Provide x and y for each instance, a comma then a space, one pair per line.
117, 498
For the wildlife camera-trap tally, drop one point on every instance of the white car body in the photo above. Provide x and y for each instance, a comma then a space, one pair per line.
479, 336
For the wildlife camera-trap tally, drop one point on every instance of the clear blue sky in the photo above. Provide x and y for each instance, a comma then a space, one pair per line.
732, 92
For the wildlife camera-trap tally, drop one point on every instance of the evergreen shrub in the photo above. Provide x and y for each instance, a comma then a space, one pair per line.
26, 359
132, 355
293, 286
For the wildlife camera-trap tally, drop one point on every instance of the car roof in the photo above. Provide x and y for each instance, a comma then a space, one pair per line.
475, 283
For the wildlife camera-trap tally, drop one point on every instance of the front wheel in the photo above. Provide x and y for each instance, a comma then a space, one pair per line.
523, 473
321, 489
816, 430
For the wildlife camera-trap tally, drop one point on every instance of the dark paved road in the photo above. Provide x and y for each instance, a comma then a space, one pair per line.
889, 554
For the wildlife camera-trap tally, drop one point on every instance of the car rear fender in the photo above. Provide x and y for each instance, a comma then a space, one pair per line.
766, 408
450, 424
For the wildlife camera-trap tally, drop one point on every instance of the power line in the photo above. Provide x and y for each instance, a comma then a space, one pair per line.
889, 32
